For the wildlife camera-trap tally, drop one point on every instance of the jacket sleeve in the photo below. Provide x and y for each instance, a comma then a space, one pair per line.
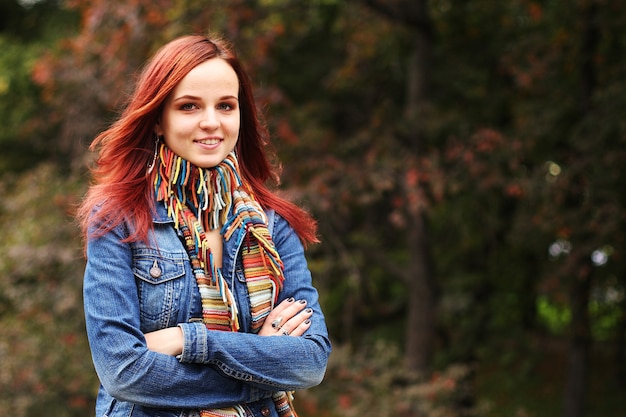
127, 370
269, 363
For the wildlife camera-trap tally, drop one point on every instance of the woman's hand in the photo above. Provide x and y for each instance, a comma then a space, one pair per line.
168, 341
289, 318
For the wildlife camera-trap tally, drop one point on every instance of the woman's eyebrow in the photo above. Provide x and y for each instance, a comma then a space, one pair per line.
192, 97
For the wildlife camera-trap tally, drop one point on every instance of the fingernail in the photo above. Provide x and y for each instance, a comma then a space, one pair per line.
309, 310
302, 301
307, 321
290, 300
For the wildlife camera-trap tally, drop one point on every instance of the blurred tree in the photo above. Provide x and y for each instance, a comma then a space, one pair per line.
88, 76
496, 120
417, 275
463, 158
46, 367
26, 29
565, 88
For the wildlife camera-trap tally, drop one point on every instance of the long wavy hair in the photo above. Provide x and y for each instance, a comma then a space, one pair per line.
121, 188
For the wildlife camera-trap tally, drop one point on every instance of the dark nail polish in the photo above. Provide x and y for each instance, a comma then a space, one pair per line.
290, 300
302, 301
308, 310
307, 321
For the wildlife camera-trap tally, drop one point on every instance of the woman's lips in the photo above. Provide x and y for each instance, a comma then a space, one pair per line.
209, 143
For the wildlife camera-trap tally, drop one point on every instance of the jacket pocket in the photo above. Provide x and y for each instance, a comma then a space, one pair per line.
159, 278
119, 409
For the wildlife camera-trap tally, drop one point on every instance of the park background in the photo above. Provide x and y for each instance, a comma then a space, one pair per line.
465, 159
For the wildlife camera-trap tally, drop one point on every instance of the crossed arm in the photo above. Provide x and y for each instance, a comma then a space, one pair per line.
291, 317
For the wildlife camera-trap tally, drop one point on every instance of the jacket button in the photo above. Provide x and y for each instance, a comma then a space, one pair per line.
265, 412
155, 271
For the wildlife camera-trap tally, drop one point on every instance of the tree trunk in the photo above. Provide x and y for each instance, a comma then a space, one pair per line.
422, 311
422, 316
579, 347
580, 340
620, 339
620, 349
421, 320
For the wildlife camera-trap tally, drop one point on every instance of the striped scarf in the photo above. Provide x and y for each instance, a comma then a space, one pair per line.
200, 199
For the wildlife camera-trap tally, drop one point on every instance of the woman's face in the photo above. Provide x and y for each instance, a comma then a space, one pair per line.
200, 119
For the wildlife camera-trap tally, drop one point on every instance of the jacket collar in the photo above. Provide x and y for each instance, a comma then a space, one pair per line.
159, 215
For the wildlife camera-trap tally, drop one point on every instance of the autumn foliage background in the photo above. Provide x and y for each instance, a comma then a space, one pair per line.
464, 159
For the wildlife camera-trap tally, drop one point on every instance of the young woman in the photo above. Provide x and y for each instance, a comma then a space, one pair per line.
192, 263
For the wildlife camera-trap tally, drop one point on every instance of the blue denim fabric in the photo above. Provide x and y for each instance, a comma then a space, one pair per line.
123, 301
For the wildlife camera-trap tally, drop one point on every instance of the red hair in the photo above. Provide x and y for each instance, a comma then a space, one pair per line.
122, 189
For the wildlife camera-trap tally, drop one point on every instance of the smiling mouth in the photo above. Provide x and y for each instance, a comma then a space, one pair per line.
211, 141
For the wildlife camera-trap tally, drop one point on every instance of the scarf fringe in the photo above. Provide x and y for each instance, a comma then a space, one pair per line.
203, 199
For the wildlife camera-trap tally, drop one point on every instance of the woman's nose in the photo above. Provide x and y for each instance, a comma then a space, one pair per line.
209, 121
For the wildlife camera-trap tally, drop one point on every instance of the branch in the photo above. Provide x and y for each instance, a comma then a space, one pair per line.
412, 13
398, 272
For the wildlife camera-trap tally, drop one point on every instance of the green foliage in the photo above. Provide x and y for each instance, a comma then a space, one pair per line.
605, 311
35, 21
555, 318
19, 102
25, 33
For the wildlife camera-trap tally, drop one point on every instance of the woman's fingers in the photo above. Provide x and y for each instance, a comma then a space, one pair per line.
287, 318
298, 324
289, 306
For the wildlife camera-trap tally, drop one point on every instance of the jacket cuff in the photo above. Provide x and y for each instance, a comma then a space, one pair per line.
195, 349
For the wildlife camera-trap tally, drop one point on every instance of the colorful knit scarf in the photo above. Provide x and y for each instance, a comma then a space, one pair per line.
199, 199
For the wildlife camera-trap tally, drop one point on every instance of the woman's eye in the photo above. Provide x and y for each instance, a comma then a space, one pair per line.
188, 106
225, 106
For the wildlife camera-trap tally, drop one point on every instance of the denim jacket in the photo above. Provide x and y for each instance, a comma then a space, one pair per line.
123, 300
